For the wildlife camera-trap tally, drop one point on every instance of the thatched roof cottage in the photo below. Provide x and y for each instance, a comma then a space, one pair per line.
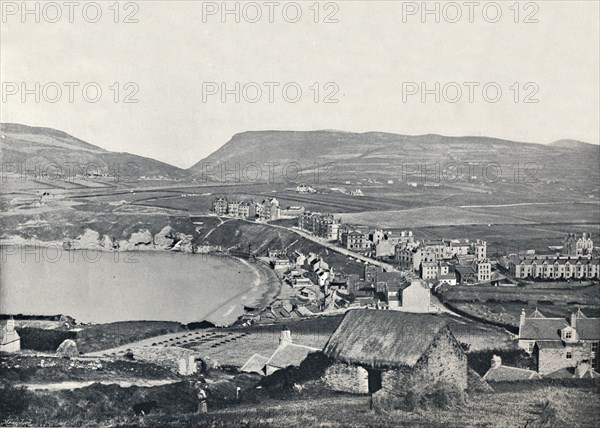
390, 352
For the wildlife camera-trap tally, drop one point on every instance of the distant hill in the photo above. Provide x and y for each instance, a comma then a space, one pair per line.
570, 144
381, 155
27, 146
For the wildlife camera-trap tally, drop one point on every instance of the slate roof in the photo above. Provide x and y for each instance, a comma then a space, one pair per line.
289, 354
588, 328
255, 364
507, 373
542, 328
537, 327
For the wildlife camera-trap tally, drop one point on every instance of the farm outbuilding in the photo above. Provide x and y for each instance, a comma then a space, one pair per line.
388, 353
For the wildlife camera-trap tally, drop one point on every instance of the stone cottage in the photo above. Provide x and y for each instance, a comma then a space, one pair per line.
10, 341
387, 353
560, 343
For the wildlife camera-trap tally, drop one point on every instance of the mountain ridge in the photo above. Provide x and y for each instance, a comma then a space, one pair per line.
28, 146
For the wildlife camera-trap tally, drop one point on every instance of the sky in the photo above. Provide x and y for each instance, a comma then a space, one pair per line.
363, 66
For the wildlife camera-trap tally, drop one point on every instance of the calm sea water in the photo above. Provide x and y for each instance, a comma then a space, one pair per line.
106, 287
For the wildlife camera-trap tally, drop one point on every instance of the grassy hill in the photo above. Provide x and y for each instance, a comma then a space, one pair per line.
385, 155
28, 146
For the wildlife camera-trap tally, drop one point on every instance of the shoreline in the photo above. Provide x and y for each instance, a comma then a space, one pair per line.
259, 300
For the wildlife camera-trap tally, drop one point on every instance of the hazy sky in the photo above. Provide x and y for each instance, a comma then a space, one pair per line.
370, 55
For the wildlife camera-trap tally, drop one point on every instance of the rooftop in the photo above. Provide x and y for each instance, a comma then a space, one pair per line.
378, 338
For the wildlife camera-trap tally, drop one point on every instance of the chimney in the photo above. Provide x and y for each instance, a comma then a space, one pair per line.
574, 319
285, 336
496, 362
522, 319
10, 325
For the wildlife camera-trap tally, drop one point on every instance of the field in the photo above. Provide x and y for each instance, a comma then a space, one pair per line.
429, 216
104, 336
534, 213
21, 369
234, 346
502, 305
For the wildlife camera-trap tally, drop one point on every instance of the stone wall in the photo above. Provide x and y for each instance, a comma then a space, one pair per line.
179, 360
346, 378
551, 359
443, 363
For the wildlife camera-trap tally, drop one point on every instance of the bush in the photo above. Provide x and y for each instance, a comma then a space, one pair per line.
413, 400
13, 401
441, 396
283, 381
43, 340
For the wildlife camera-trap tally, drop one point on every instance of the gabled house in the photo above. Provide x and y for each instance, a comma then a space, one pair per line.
411, 295
287, 354
560, 343
321, 277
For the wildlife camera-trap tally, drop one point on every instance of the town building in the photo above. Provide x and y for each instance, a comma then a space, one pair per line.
573, 246
443, 249
232, 208
322, 225
10, 341
411, 350
245, 210
560, 343
410, 258
219, 206
409, 295
429, 270
355, 238
444, 276
303, 188
267, 210
475, 273
292, 211
555, 267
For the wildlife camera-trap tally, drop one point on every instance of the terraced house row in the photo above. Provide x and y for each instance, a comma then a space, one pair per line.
556, 267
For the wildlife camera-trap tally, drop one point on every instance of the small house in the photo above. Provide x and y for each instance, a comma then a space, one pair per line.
388, 353
308, 294
501, 373
412, 295
287, 354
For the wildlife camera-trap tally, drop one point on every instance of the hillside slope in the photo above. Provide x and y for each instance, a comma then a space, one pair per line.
27, 146
384, 155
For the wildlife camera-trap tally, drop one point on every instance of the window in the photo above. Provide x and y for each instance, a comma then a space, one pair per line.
530, 347
567, 335
569, 355
594, 346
